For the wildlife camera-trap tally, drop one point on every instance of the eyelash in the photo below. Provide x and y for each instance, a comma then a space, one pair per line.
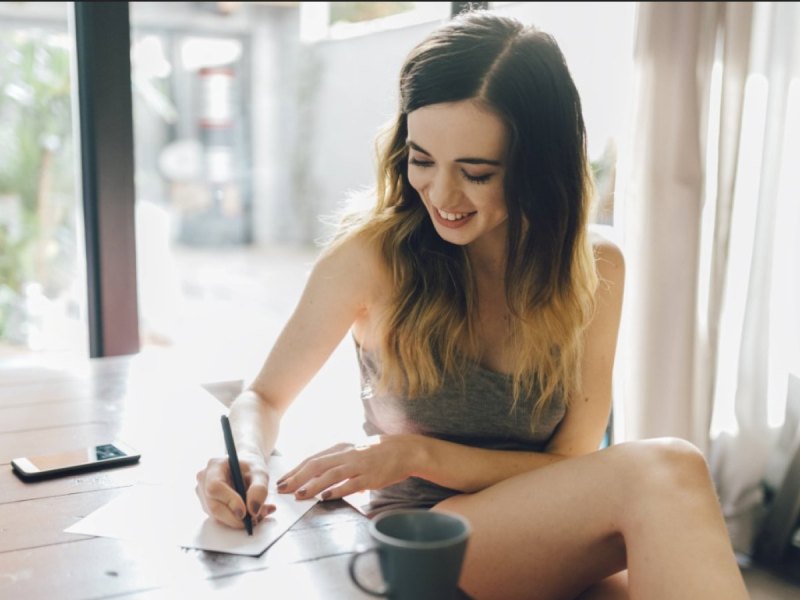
480, 179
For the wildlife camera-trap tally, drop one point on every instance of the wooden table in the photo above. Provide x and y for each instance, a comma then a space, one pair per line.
72, 404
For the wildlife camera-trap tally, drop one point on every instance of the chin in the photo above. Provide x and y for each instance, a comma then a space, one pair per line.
459, 237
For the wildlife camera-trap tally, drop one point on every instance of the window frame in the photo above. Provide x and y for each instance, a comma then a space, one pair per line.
105, 125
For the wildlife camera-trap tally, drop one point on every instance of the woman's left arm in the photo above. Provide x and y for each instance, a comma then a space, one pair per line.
586, 420
347, 469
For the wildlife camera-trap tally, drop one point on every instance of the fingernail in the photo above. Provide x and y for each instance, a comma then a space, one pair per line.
271, 509
254, 508
239, 513
282, 485
326, 495
302, 492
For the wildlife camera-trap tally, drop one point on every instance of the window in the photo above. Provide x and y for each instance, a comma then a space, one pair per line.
42, 287
340, 20
597, 42
355, 12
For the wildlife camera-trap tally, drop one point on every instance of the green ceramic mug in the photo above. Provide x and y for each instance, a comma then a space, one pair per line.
420, 552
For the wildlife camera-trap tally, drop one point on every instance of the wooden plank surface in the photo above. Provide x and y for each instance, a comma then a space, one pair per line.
14, 490
76, 404
106, 568
320, 580
50, 564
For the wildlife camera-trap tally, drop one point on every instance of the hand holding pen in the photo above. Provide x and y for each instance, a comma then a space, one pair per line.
225, 500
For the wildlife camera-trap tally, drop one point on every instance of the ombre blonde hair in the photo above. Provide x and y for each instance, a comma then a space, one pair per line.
429, 331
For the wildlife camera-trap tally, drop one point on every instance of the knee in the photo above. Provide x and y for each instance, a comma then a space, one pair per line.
667, 466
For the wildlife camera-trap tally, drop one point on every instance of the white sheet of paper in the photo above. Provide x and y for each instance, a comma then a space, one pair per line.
163, 514
359, 501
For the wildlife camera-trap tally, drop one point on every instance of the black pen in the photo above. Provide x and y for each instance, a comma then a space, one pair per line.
236, 472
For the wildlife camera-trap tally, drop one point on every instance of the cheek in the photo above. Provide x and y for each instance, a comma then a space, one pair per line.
494, 200
419, 181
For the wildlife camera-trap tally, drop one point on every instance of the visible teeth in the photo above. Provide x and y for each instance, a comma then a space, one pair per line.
451, 216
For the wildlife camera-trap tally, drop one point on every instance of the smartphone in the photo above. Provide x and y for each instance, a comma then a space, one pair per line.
93, 458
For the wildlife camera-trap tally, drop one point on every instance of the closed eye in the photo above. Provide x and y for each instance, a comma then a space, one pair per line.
476, 178
420, 163
471, 178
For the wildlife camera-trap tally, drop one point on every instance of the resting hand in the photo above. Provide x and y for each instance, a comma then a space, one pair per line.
219, 498
347, 468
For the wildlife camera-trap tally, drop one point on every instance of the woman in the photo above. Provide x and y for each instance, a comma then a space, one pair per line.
486, 321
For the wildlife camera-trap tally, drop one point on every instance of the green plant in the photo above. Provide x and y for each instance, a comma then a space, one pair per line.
37, 227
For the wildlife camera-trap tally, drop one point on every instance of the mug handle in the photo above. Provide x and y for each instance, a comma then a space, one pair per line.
352, 569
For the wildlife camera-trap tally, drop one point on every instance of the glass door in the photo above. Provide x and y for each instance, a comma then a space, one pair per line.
42, 281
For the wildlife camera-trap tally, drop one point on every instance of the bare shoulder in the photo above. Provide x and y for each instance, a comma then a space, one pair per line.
609, 260
355, 260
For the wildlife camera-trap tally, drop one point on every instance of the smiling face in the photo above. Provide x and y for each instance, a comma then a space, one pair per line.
456, 162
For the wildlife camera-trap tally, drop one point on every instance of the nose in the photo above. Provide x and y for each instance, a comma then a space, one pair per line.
445, 191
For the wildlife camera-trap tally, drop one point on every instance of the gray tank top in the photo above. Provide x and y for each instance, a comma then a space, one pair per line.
476, 412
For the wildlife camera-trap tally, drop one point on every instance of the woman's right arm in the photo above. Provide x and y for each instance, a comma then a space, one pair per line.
337, 293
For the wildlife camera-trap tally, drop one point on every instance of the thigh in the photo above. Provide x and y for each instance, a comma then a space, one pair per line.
611, 588
551, 533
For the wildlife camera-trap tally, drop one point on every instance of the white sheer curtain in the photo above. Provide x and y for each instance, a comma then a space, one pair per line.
711, 220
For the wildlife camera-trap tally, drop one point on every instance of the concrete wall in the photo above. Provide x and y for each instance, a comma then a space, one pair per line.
336, 95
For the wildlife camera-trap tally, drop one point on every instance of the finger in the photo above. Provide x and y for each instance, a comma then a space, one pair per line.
351, 486
257, 491
222, 513
218, 489
217, 497
218, 493
237, 507
217, 470
248, 467
313, 468
291, 473
208, 483
328, 451
265, 511
330, 477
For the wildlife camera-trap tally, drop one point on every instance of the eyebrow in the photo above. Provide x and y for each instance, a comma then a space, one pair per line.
466, 160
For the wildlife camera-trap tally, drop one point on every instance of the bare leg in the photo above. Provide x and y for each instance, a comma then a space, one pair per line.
557, 531
611, 588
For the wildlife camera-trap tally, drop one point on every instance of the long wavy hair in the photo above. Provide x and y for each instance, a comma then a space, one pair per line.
429, 331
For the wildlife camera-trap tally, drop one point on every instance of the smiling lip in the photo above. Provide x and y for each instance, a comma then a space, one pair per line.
452, 224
